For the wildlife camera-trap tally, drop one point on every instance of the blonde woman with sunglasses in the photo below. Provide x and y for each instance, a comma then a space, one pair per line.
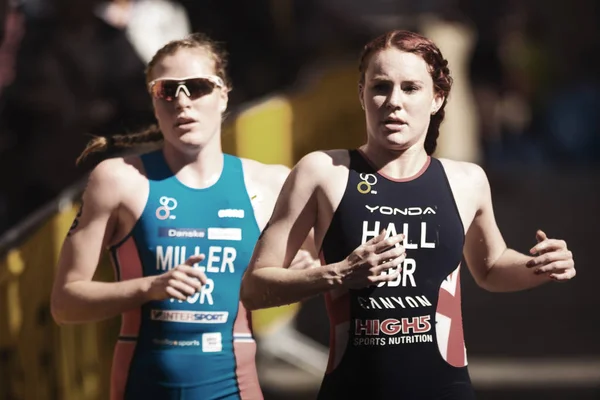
180, 224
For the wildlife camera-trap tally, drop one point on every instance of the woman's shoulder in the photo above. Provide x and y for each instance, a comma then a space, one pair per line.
118, 174
325, 158
314, 169
465, 172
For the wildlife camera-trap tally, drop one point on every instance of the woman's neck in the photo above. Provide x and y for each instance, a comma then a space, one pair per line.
197, 168
396, 164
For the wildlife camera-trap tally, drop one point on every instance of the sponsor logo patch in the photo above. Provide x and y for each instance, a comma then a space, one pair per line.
191, 233
190, 317
212, 342
231, 213
225, 234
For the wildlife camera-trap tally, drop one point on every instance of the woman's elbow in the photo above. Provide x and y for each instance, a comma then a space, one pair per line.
490, 285
59, 309
483, 284
249, 304
248, 293
58, 312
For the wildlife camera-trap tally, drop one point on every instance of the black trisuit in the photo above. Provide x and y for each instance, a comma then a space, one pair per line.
401, 339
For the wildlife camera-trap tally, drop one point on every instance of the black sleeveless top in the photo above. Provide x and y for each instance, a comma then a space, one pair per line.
400, 339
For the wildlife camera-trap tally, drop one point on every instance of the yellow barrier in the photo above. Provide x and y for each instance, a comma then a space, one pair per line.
44, 361
259, 131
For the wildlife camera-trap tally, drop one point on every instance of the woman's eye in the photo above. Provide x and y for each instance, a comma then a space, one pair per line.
380, 86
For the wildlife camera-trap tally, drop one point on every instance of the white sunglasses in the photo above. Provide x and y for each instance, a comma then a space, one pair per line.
193, 86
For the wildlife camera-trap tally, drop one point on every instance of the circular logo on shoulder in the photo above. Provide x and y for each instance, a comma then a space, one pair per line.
366, 184
167, 204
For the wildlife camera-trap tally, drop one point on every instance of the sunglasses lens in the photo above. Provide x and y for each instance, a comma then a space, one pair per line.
164, 90
168, 89
199, 87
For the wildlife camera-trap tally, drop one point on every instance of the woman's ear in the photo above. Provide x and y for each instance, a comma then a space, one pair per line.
436, 104
361, 92
224, 99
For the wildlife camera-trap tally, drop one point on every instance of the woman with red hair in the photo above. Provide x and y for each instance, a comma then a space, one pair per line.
392, 223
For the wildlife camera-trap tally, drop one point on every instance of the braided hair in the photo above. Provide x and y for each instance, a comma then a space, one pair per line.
150, 135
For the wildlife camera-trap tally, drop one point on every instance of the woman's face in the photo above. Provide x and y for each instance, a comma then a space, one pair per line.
189, 122
398, 98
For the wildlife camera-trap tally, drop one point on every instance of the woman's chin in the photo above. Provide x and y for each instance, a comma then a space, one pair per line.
396, 142
188, 142
194, 138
